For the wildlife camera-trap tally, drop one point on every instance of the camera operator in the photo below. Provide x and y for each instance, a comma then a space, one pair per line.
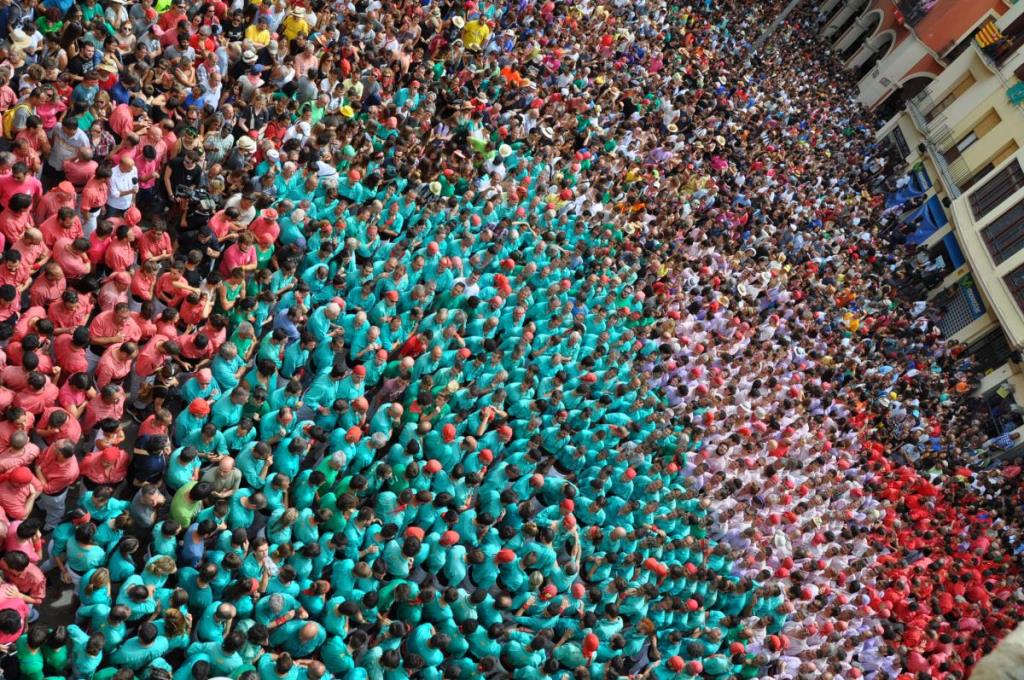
182, 176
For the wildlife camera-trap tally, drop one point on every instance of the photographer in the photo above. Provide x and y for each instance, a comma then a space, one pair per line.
182, 176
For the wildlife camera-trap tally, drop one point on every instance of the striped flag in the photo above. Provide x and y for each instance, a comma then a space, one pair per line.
988, 35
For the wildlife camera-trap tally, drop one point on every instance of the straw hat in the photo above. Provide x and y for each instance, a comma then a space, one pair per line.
504, 150
435, 188
249, 57
458, 21
247, 144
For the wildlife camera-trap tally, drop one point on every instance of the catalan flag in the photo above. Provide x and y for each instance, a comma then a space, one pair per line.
988, 35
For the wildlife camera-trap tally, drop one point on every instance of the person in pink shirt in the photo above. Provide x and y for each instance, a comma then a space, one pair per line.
69, 351
155, 244
76, 394
13, 617
55, 424
114, 290
18, 452
114, 325
14, 271
20, 182
265, 227
99, 240
49, 287
155, 354
32, 249
16, 218
61, 196
121, 254
144, 283
80, 169
73, 257
239, 254
63, 224
18, 570
116, 363
25, 535
108, 403
19, 490
94, 197
57, 469
70, 312
108, 466
41, 393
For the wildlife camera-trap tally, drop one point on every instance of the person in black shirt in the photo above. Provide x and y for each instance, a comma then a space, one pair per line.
184, 172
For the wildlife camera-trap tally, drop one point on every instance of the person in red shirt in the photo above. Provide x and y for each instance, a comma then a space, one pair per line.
106, 467
120, 254
57, 470
172, 287
106, 403
19, 182
32, 249
154, 355
70, 312
113, 326
116, 363
55, 424
94, 198
63, 224
73, 257
14, 271
155, 244
49, 287
69, 351
16, 218
19, 571
99, 240
40, 393
19, 490
61, 196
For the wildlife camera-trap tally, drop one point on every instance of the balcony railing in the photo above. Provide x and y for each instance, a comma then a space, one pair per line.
931, 145
914, 11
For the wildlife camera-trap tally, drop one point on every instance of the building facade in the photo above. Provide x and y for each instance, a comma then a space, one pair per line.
949, 77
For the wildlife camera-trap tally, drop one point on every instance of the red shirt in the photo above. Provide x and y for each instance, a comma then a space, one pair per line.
71, 359
94, 468
120, 255
36, 401
9, 187
111, 366
13, 224
13, 497
64, 317
69, 430
74, 264
150, 357
53, 229
60, 473
106, 326
43, 291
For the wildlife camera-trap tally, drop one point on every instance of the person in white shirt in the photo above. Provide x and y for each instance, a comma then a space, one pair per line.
124, 184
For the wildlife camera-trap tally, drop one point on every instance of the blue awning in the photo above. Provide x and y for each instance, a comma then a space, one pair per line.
903, 195
956, 256
933, 218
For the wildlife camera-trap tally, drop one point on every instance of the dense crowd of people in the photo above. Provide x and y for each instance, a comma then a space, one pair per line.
383, 340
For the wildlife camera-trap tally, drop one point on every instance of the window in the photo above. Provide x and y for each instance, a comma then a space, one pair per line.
1003, 184
983, 127
958, 90
899, 141
995, 161
990, 351
1015, 282
1005, 236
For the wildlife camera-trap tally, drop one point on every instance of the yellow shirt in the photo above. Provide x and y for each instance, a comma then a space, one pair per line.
291, 27
254, 34
474, 33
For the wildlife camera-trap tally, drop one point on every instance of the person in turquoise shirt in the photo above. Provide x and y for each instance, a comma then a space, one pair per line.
299, 638
224, 654
86, 651
138, 652
227, 410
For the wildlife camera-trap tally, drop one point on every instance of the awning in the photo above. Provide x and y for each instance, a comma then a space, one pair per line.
933, 218
956, 256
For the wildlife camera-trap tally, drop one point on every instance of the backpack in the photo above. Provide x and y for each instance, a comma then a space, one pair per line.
8, 119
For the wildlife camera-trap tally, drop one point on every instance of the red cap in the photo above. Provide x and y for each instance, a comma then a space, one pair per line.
449, 537
676, 663
504, 556
391, 295
433, 466
414, 532
448, 432
360, 370
486, 456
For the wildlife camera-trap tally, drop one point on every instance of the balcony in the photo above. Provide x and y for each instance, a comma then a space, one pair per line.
914, 11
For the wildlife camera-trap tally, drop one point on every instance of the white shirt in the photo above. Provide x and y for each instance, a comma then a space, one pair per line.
121, 182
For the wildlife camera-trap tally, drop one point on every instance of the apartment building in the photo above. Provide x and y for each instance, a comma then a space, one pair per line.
949, 76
